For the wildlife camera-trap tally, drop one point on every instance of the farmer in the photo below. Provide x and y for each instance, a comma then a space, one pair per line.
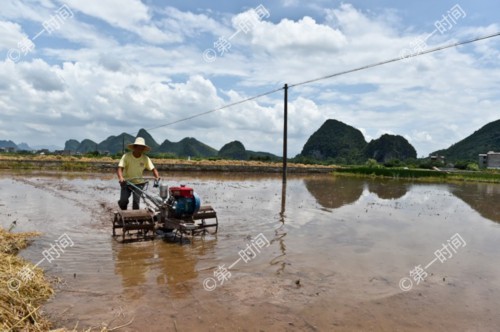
130, 168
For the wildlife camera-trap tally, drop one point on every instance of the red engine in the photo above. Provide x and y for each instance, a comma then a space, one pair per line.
181, 191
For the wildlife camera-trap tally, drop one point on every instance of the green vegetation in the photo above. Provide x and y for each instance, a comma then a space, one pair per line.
114, 144
334, 143
466, 165
263, 156
390, 148
159, 155
372, 163
71, 145
187, 147
335, 140
18, 165
87, 146
483, 140
338, 143
75, 166
233, 150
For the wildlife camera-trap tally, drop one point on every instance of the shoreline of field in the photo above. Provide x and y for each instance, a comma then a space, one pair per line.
163, 165
86, 164
419, 175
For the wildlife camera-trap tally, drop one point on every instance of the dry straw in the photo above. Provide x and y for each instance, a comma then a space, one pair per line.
20, 297
20, 306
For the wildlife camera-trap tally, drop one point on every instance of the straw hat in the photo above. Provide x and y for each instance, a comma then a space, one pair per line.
139, 141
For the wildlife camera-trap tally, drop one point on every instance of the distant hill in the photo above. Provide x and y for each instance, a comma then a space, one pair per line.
87, 146
150, 141
71, 145
259, 155
234, 150
115, 144
24, 146
389, 147
18, 147
112, 144
167, 147
187, 147
335, 140
7, 144
481, 141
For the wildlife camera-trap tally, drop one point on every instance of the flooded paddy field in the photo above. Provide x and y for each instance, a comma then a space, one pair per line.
343, 254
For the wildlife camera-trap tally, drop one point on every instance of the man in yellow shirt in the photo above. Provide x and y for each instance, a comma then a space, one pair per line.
130, 168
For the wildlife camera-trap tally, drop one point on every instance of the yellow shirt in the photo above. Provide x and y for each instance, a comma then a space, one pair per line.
133, 167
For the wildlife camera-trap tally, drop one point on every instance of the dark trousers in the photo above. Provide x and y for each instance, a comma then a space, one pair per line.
125, 193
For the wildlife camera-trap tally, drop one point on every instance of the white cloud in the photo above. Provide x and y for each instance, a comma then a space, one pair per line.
131, 15
19, 10
298, 37
41, 76
355, 23
84, 35
421, 136
154, 35
187, 23
11, 35
39, 127
126, 14
290, 3
86, 81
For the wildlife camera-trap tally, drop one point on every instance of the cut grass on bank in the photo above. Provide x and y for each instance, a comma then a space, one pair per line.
21, 294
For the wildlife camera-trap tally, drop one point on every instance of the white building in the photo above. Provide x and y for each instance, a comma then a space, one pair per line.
489, 160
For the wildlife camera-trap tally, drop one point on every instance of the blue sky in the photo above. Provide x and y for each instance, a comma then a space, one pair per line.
100, 68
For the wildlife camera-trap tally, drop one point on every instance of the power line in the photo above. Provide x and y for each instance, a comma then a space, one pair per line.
218, 109
432, 50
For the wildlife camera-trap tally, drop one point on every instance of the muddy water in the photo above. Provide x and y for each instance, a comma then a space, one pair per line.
338, 249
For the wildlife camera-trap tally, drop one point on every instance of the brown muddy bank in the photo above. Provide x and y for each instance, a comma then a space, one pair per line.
68, 164
338, 250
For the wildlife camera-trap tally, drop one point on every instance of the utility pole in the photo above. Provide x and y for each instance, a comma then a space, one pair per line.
285, 132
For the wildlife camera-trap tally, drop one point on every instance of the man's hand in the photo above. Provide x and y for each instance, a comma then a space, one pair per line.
119, 172
156, 174
122, 181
